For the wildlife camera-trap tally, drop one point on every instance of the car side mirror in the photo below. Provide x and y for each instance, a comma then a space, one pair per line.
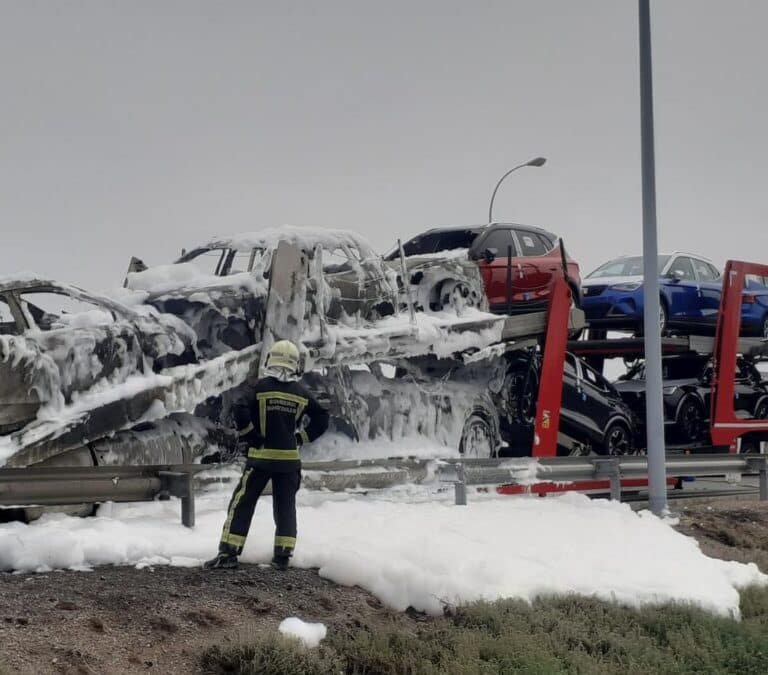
489, 255
676, 275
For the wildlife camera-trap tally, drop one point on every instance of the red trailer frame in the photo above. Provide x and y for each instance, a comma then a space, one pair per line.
726, 427
547, 422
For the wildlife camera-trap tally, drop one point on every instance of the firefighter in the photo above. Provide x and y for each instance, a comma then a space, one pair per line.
277, 416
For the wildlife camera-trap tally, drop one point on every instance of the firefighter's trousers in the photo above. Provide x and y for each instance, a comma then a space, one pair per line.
252, 483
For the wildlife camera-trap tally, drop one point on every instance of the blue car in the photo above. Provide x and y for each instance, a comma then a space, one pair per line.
690, 286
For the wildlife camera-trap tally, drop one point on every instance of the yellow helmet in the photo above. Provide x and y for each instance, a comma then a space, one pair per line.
283, 354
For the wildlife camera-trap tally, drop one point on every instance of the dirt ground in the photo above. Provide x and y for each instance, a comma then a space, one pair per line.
126, 620
728, 529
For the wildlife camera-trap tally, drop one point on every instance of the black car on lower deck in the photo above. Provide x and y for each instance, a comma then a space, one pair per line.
593, 416
688, 394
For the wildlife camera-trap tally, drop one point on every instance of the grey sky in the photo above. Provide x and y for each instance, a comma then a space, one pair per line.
141, 127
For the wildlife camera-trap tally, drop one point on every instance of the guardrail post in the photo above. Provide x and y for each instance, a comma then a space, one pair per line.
610, 467
615, 480
179, 484
460, 486
763, 479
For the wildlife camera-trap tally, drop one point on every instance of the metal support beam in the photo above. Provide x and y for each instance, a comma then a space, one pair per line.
763, 479
657, 483
179, 484
610, 467
460, 486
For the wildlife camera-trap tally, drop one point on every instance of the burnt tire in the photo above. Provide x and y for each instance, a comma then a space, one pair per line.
689, 423
457, 296
478, 437
617, 440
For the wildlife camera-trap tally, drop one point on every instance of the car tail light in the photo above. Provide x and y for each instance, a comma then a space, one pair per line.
749, 299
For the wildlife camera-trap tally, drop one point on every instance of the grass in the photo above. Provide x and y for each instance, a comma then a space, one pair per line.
553, 635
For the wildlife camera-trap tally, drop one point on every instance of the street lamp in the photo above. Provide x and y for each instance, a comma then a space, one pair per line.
536, 161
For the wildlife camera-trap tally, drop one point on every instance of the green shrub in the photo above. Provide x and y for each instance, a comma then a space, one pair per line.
271, 655
570, 634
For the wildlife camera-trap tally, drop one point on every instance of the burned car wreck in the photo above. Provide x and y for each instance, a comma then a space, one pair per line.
58, 341
220, 288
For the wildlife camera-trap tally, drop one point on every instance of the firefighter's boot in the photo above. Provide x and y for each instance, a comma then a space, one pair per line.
225, 560
280, 562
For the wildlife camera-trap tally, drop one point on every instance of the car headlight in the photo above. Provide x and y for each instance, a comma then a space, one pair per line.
629, 286
668, 391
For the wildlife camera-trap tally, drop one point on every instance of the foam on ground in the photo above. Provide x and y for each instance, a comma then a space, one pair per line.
421, 554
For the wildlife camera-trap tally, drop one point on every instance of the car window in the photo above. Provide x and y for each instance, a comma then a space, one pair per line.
714, 272
451, 240
625, 267
422, 245
242, 261
337, 261
570, 365
530, 243
746, 370
755, 281
681, 368
7, 322
683, 265
53, 311
210, 261
500, 240
592, 377
703, 270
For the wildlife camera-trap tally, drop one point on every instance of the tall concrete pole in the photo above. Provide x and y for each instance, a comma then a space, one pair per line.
657, 472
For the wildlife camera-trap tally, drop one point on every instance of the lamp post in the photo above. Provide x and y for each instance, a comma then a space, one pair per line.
536, 161
654, 413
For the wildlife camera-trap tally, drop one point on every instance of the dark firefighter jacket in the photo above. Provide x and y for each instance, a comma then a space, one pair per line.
274, 418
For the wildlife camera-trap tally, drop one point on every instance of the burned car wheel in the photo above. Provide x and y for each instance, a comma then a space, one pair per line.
478, 438
457, 296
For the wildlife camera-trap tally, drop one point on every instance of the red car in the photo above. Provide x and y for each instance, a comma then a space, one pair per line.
529, 255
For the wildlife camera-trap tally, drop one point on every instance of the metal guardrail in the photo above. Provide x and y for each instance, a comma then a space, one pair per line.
49, 486
60, 486
612, 469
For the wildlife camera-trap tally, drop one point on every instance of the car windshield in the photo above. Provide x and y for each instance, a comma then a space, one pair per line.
625, 267
672, 369
435, 242
208, 261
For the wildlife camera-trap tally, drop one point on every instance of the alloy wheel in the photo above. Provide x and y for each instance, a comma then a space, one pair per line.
691, 420
761, 412
617, 441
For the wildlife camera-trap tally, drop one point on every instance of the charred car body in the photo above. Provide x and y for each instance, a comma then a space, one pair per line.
58, 341
220, 288
485, 407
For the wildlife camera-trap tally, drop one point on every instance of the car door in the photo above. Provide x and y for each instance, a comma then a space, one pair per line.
535, 269
571, 407
682, 291
492, 256
595, 411
710, 290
